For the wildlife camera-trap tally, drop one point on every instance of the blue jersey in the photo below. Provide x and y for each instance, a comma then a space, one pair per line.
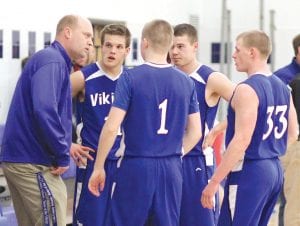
289, 72
208, 114
198, 166
157, 99
99, 95
269, 139
39, 125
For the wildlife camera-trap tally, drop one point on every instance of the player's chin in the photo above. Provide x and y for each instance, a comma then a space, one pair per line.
239, 67
176, 61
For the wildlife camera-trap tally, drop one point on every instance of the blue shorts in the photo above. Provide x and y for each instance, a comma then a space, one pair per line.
90, 210
251, 193
196, 173
147, 187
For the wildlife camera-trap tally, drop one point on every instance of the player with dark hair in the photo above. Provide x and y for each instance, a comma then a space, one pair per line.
199, 164
95, 84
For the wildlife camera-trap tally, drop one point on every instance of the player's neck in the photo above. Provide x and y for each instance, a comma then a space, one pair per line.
259, 69
190, 67
156, 58
111, 71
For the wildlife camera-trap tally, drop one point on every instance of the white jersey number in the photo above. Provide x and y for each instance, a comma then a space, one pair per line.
163, 107
279, 112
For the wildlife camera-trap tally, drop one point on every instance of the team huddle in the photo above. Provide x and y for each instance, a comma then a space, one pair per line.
144, 134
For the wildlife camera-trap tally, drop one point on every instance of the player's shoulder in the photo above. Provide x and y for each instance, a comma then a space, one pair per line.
202, 73
244, 93
92, 70
205, 70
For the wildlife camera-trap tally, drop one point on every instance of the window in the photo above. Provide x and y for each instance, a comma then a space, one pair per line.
134, 49
216, 52
15, 44
31, 43
47, 39
1, 43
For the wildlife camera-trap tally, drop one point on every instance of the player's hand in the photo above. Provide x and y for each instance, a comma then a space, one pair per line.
80, 153
210, 138
59, 170
208, 195
97, 182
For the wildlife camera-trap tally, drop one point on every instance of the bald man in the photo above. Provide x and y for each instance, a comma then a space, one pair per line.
37, 136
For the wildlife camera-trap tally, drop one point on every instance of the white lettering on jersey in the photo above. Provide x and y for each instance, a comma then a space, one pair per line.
101, 98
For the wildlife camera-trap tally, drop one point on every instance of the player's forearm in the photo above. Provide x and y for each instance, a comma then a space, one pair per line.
189, 141
106, 141
292, 136
193, 133
230, 159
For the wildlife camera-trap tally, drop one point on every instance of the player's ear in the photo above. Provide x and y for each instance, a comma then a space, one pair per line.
145, 43
252, 52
